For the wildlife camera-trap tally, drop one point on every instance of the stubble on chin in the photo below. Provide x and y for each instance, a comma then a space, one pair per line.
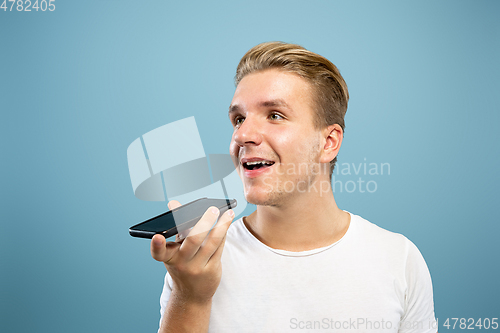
276, 192
271, 200
265, 194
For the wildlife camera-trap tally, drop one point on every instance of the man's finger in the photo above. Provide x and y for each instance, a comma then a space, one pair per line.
158, 248
193, 241
161, 250
179, 238
172, 204
212, 243
216, 257
220, 229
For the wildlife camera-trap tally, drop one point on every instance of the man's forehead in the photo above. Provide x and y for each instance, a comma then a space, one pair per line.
265, 103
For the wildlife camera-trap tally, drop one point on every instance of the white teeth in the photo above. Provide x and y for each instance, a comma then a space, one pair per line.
258, 162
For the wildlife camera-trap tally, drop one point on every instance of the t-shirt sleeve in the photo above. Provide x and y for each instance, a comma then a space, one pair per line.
419, 302
165, 295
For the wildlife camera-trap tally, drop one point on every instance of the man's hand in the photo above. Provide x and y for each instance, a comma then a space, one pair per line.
195, 262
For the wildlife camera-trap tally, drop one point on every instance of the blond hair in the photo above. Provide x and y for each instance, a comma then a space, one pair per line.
331, 95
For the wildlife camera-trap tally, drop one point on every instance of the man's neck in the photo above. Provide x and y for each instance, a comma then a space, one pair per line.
304, 222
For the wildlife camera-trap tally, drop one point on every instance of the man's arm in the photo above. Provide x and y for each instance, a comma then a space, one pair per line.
195, 268
419, 302
185, 316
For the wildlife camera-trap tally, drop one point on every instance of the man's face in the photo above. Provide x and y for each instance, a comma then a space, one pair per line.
275, 145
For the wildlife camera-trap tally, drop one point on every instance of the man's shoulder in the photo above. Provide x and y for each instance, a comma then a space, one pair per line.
368, 232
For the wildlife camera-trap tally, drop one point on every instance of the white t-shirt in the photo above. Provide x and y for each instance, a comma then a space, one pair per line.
371, 280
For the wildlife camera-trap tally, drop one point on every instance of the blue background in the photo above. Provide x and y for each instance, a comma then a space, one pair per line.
79, 84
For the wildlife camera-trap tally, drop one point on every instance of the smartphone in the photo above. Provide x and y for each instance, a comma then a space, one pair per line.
179, 219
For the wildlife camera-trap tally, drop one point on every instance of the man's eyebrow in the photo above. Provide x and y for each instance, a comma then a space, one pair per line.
234, 109
275, 103
268, 104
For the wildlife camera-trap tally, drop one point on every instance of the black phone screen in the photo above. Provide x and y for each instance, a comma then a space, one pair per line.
179, 219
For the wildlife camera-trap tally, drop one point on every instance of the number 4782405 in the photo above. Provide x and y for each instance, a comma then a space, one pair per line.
471, 323
28, 6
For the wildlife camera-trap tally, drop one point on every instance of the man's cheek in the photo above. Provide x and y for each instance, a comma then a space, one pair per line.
234, 152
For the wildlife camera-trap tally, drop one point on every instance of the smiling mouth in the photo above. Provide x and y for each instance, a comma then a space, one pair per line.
257, 165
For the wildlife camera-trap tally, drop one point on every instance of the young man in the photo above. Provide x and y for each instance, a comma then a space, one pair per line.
298, 261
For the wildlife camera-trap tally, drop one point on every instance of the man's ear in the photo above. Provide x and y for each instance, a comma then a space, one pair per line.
332, 138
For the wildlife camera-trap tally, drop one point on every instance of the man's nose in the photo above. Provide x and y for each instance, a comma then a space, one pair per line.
249, 133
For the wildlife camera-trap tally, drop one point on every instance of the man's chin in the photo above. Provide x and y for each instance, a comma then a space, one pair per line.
262, 198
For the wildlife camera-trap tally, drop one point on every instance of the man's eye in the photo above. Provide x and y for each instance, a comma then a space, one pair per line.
238, 120
275, 116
